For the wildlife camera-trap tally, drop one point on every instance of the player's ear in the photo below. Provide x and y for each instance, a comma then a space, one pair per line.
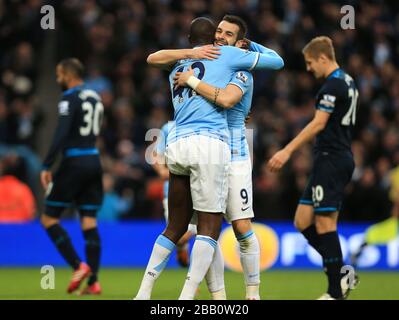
323, 58
65, 75
68, 76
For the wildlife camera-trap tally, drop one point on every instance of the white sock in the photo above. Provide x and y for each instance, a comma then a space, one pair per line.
249, 257
215, 276
201, 258
161, 251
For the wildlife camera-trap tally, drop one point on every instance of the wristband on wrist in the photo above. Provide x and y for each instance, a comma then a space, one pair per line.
216, 95
193, 82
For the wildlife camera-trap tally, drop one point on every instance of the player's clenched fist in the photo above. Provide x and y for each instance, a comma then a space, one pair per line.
45, 178
278, 160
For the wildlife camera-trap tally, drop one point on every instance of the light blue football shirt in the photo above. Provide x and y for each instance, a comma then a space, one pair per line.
237, 114
196, 115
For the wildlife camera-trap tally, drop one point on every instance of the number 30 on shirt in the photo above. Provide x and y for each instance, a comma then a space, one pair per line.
92, 118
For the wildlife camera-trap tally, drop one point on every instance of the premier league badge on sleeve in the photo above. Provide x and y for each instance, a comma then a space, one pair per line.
242, 77
63, 108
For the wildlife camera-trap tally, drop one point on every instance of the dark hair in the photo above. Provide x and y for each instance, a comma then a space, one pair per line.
202, 31
74, 66
243, 28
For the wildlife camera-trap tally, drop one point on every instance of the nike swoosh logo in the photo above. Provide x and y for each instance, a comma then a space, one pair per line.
244, 209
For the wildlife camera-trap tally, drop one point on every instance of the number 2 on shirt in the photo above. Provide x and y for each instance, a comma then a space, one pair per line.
180, 90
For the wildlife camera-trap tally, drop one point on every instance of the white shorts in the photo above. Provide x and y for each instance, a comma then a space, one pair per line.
191, 227
239, 199
206, 160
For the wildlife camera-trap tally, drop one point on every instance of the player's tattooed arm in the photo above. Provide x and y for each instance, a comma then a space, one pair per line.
281, 157
167, 58
226, 97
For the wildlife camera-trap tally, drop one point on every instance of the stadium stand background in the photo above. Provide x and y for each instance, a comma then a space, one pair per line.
113, 39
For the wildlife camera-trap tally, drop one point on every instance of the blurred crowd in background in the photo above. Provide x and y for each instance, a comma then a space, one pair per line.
113, 38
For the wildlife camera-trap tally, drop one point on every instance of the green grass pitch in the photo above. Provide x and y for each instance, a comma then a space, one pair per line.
24, 283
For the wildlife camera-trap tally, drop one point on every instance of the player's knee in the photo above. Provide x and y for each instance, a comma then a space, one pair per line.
299, 224
88, 223
304, 217
48, 221
209, 231
241, 227
243, 232
324, 225
209, 224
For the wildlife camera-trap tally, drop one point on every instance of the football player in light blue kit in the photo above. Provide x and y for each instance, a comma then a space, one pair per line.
237, 98
198, 157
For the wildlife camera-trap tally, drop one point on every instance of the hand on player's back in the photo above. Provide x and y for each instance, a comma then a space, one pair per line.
243, 44
209, 52
180, 78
